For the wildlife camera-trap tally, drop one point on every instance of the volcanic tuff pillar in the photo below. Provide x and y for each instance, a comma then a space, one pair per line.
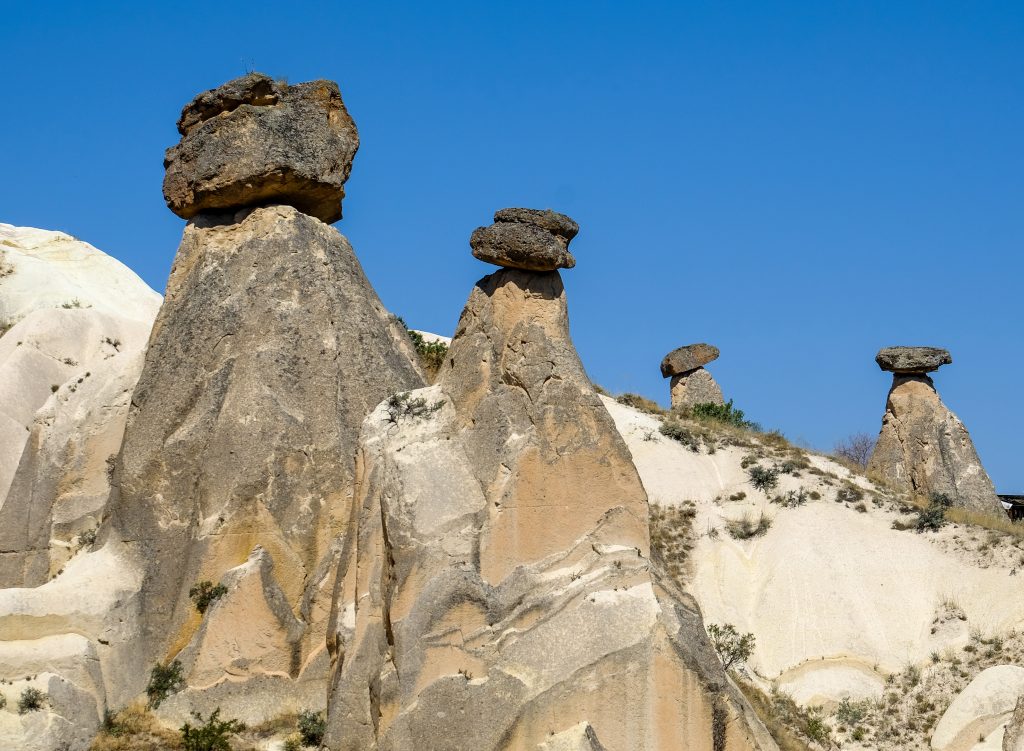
270, 349
923, 447
508, 602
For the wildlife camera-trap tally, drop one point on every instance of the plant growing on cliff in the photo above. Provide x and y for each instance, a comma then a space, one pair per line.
733, 648
747, 526
204, 593
933, 517
431, 354
164, 680
726, 414
212, 735
312, 726
763, 479
31, 700
404, 405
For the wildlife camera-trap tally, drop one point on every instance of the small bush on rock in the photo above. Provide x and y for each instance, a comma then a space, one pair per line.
212, 735
747, 526
640, 403
934, 517
723, 413
431, 354
164, 680
31, 700
403, 405
312, 726
732, 647
204, 593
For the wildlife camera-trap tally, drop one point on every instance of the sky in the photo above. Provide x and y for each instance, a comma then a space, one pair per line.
797, 183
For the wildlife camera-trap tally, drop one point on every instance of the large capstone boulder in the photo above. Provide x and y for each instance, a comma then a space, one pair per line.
528, 239
924, 449
912, 359
255, 141
685, 359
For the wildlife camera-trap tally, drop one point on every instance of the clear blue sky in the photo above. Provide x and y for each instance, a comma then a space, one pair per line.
799, 183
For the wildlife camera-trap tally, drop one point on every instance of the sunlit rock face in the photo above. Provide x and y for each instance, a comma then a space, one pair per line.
496, 591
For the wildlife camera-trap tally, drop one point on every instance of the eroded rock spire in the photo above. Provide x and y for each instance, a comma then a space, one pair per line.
691, 384
923, 447
508, 601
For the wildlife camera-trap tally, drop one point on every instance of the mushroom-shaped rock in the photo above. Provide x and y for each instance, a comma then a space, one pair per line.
912, 359
256, 141
528, 239
688, 358
923, 447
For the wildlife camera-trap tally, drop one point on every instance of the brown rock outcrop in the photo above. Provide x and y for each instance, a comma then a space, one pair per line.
258, 141
527, 239
691, 384
923, 447
509, 601
268, 352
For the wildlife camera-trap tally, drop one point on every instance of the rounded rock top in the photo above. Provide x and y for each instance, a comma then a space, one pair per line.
528, 239
685, 359
255, 141
912, 359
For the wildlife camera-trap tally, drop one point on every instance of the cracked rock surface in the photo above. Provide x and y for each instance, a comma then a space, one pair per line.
508, 601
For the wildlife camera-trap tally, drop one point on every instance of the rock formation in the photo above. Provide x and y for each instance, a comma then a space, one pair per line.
1013, 737
526, 239
238, 458
509, 602
256, 141
923, 447
691, 384
78, 323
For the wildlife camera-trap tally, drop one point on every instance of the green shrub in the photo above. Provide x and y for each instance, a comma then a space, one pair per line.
849, 493
204, 593
747, 526
852, 713
732, 647
211, 735
723, 413
403, 405
431, 354
31, 700
817, 730
763, 479
791, 498
312, 726
164, 680
680, 433
933, 517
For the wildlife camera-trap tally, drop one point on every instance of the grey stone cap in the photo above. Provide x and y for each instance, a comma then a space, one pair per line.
912, 359
688, 358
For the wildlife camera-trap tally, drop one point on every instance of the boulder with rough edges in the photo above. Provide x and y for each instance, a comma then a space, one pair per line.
256, 141
695, 387
912, 359
528, 239
685, 359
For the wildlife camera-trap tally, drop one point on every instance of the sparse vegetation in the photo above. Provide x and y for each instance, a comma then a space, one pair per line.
733, 648
856, 449
792, 498
404, 405
640, 403
164, 680
763, 479
672, 537
849, 493
312, 726
748, 526
134, 729
70, 304
3, 701
212, 735
431, 354
88, 537
726, 414
31, 700
204, 593
778, 716
933, 517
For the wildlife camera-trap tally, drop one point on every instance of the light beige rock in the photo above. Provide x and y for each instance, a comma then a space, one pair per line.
924, 448
270, 349
1013, 736
980, 708
579, 738
695, 387
508, 601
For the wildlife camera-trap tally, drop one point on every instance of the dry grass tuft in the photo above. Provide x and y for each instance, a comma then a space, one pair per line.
134, 728
764, 708
641, 403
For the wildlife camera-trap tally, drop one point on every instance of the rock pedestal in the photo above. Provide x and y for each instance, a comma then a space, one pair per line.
509, 602
691, 384
270, 349
923, 447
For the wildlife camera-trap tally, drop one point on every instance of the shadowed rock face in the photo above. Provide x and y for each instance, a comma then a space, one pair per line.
257, 141
508, 602
269, 350
924, 448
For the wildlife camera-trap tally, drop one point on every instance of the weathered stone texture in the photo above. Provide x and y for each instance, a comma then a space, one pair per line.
256, 141
528, 239
269, 350
908, 360
924, 448
695, 387
508, 601
1013, 737
685, 359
